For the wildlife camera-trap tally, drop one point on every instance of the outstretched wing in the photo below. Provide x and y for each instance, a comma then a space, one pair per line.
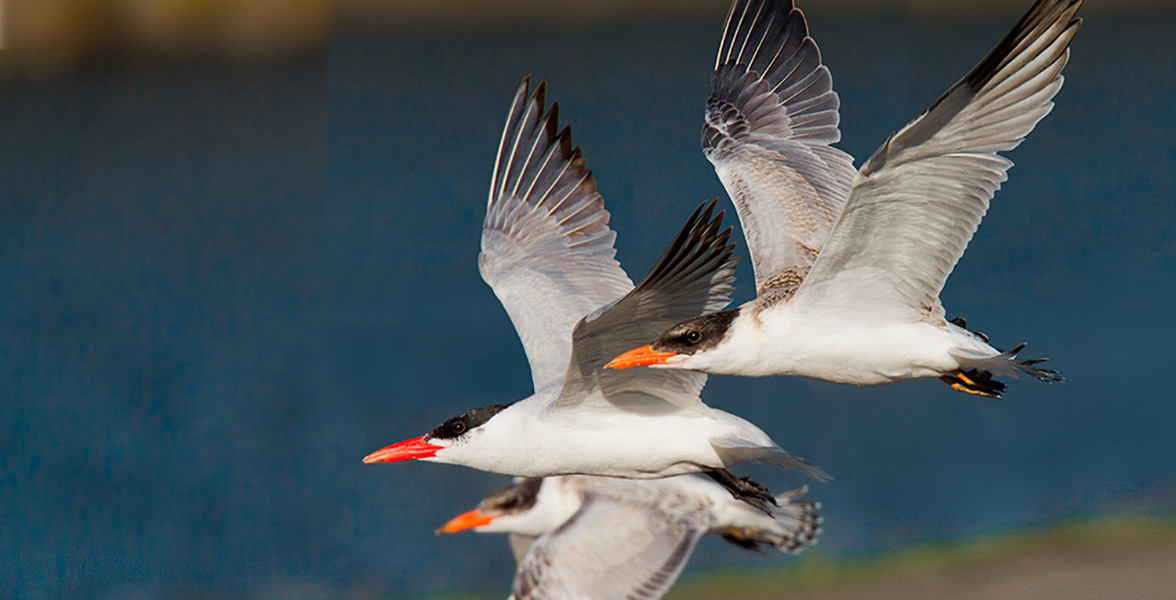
694, 276
609, 549
918, 200
770, 120
547, 250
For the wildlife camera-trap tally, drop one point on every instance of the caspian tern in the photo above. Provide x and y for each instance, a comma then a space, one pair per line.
603, 537
854, 298
547, 252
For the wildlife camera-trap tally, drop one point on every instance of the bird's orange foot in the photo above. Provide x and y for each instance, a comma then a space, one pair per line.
975, 382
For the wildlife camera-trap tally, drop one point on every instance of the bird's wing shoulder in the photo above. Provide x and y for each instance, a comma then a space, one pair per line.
917, 201
547, 249
771, 119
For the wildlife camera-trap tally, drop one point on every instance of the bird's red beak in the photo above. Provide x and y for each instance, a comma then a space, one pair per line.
406, 450
471, 520
640, 357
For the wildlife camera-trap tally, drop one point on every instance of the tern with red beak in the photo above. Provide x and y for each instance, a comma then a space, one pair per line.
547, 252
603, 537
849, 266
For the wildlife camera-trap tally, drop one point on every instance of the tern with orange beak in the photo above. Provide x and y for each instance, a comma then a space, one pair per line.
602, 537
547, 252
849, 266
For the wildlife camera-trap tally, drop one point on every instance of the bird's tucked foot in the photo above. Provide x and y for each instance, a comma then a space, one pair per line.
744, 537
744, 489
974, 381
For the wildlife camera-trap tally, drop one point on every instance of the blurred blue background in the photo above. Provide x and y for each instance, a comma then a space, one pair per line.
225, 282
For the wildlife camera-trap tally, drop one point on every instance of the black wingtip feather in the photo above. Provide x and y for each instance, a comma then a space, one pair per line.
539, 96
562, 137
663, 262
524, 86
551, 121
565, 140
537, 161
699, 249
1043, 12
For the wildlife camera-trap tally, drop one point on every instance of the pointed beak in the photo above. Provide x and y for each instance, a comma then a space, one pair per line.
406, 450
640, 357
471, 520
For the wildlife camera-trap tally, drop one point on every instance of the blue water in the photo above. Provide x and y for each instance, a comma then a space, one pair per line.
224, 284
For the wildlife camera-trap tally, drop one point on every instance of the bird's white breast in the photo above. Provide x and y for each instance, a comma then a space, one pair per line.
785, 340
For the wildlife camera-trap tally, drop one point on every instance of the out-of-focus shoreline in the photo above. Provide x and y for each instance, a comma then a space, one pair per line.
1123, 558
50, 36
440, 12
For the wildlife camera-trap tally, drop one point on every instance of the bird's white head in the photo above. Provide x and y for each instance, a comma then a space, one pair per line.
703, 343
449, 443
530, 507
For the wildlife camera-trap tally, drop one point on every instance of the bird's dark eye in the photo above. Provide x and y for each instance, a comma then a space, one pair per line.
693, 337
459, 428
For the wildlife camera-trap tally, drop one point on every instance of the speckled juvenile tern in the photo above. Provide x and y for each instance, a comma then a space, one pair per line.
849, 266
603, 537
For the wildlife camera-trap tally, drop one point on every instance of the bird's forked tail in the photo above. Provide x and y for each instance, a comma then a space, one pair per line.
796, 525
978, 379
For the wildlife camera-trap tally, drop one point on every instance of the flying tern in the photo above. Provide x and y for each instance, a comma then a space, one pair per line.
603, 537
849, 266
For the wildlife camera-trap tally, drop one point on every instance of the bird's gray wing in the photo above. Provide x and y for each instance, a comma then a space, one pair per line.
694, 276
918, 200
610, 548
770, 121
547, 250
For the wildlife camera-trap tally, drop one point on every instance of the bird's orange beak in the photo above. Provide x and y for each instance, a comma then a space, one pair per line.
470, 520
406, 450
640, 357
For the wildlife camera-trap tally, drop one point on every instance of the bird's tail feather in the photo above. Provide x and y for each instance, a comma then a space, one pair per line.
976, 373
1006, 363
735, 449
797, 525
1029, 366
